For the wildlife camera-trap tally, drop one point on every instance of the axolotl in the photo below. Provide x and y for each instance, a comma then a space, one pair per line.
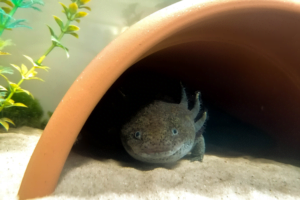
165, 132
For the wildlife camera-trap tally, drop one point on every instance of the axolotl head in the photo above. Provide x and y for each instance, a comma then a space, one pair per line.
162, 132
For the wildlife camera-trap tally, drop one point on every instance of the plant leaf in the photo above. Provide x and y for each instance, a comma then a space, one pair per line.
2, 88
3, 94
6, 9
66, 50
43, 67
30, 3
4, 43
17, 24
30, 75
20, 105
24, 70
72, 28
73, 8
40, 2
52, 32
4, 124
36, 8
4, 16
16, 67
58, 44
4, 53
6, 70
84, 1
8, 103
81, 14
86, 7
36, 78
77, 20
31, 60
2, 12
19, 90
25, 4
7, 2
59, 22
8, 120
13, 85
74, 34
64, 7
55, 40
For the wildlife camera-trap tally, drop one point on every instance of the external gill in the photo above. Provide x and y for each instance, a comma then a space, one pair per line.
184, 100
195, 111
197, 107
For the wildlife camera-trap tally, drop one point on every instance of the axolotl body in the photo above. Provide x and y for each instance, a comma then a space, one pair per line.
165, 132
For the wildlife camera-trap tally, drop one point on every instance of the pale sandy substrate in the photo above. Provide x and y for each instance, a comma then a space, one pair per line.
237, 177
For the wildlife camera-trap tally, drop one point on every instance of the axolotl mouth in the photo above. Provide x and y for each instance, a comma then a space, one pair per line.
160, 154
156, 150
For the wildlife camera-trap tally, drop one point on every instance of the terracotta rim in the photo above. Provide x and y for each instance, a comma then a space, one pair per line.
138, 41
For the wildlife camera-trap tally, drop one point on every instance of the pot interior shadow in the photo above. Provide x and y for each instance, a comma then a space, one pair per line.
224, 134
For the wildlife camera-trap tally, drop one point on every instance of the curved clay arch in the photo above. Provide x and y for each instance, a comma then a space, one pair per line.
186, 22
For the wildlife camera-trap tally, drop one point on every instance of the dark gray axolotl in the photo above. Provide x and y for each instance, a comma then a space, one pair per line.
165, 132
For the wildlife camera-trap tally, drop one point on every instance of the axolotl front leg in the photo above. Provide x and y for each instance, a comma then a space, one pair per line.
199, 145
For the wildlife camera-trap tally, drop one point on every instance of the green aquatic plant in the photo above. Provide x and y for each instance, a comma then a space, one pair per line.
25, 116
7, 22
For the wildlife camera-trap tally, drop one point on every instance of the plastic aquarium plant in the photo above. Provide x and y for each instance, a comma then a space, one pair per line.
7, 22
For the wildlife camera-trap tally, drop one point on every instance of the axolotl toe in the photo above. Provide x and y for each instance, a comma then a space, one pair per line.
165, 132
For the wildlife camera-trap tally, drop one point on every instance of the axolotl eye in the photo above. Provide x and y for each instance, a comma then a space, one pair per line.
174, 131
138, 135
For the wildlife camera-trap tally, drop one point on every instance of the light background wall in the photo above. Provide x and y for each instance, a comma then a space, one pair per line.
104, 23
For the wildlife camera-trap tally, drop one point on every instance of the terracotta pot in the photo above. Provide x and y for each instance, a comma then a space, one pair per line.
243, 54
